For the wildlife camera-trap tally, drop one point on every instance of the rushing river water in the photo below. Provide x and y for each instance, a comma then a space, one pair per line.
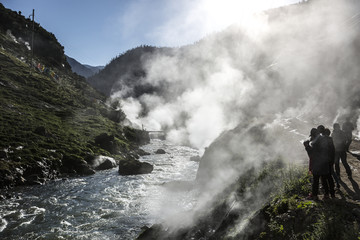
104, 205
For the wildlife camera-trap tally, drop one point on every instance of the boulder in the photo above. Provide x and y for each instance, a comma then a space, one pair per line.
160, 151
134, 167
75, 164
107, 164
103, 163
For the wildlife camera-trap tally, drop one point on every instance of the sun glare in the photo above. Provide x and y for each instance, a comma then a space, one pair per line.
217, 15
226, 12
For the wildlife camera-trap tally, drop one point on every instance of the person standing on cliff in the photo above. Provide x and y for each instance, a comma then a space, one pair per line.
319, 153
348, 127
314, 133
331, 153
340, 142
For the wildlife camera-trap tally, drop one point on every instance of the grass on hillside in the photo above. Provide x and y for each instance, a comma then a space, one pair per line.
291, 216
44, 118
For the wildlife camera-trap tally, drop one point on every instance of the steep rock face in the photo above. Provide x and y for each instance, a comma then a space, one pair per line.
233, 153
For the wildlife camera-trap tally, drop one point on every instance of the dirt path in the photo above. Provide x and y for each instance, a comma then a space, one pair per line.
350, 187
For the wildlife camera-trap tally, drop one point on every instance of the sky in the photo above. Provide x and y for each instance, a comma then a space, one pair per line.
94, 32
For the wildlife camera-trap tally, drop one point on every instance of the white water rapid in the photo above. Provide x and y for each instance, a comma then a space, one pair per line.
102, 206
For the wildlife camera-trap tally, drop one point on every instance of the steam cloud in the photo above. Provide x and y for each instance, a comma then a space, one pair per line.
291, 69
302, 65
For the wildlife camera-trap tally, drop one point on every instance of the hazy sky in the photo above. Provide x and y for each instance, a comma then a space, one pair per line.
94, 32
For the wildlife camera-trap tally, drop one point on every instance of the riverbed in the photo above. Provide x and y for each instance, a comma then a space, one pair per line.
104, 205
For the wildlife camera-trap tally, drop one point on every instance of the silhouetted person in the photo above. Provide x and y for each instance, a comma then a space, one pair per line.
331, 148
314, 133
340, 143
319, 152
321, 129
348, 127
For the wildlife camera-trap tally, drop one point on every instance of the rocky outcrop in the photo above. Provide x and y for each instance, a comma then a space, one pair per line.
36, 172
134, 167
137, 136
77, 165
107, 142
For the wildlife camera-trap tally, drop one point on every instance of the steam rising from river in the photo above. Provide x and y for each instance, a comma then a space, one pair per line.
300, 64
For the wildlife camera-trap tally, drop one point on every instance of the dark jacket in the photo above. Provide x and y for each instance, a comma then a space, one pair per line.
322, 154
309, 150
330, 149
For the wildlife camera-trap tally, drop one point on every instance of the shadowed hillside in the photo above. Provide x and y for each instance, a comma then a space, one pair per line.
45, 44
126, 72
53, 123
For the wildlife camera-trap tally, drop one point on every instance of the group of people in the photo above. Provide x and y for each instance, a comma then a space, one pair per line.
325, 150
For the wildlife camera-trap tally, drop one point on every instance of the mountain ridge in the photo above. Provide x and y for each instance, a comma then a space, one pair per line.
84, 70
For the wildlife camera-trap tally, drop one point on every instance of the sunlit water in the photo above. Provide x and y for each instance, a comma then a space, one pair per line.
102, 206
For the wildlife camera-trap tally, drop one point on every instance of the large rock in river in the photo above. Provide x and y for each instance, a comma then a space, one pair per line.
75, 164
160, 151
102, 162
134, 167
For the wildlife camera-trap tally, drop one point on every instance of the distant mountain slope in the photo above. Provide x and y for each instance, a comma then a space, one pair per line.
83, 69
126, 72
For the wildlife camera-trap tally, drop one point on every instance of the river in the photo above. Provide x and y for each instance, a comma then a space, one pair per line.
104, 205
